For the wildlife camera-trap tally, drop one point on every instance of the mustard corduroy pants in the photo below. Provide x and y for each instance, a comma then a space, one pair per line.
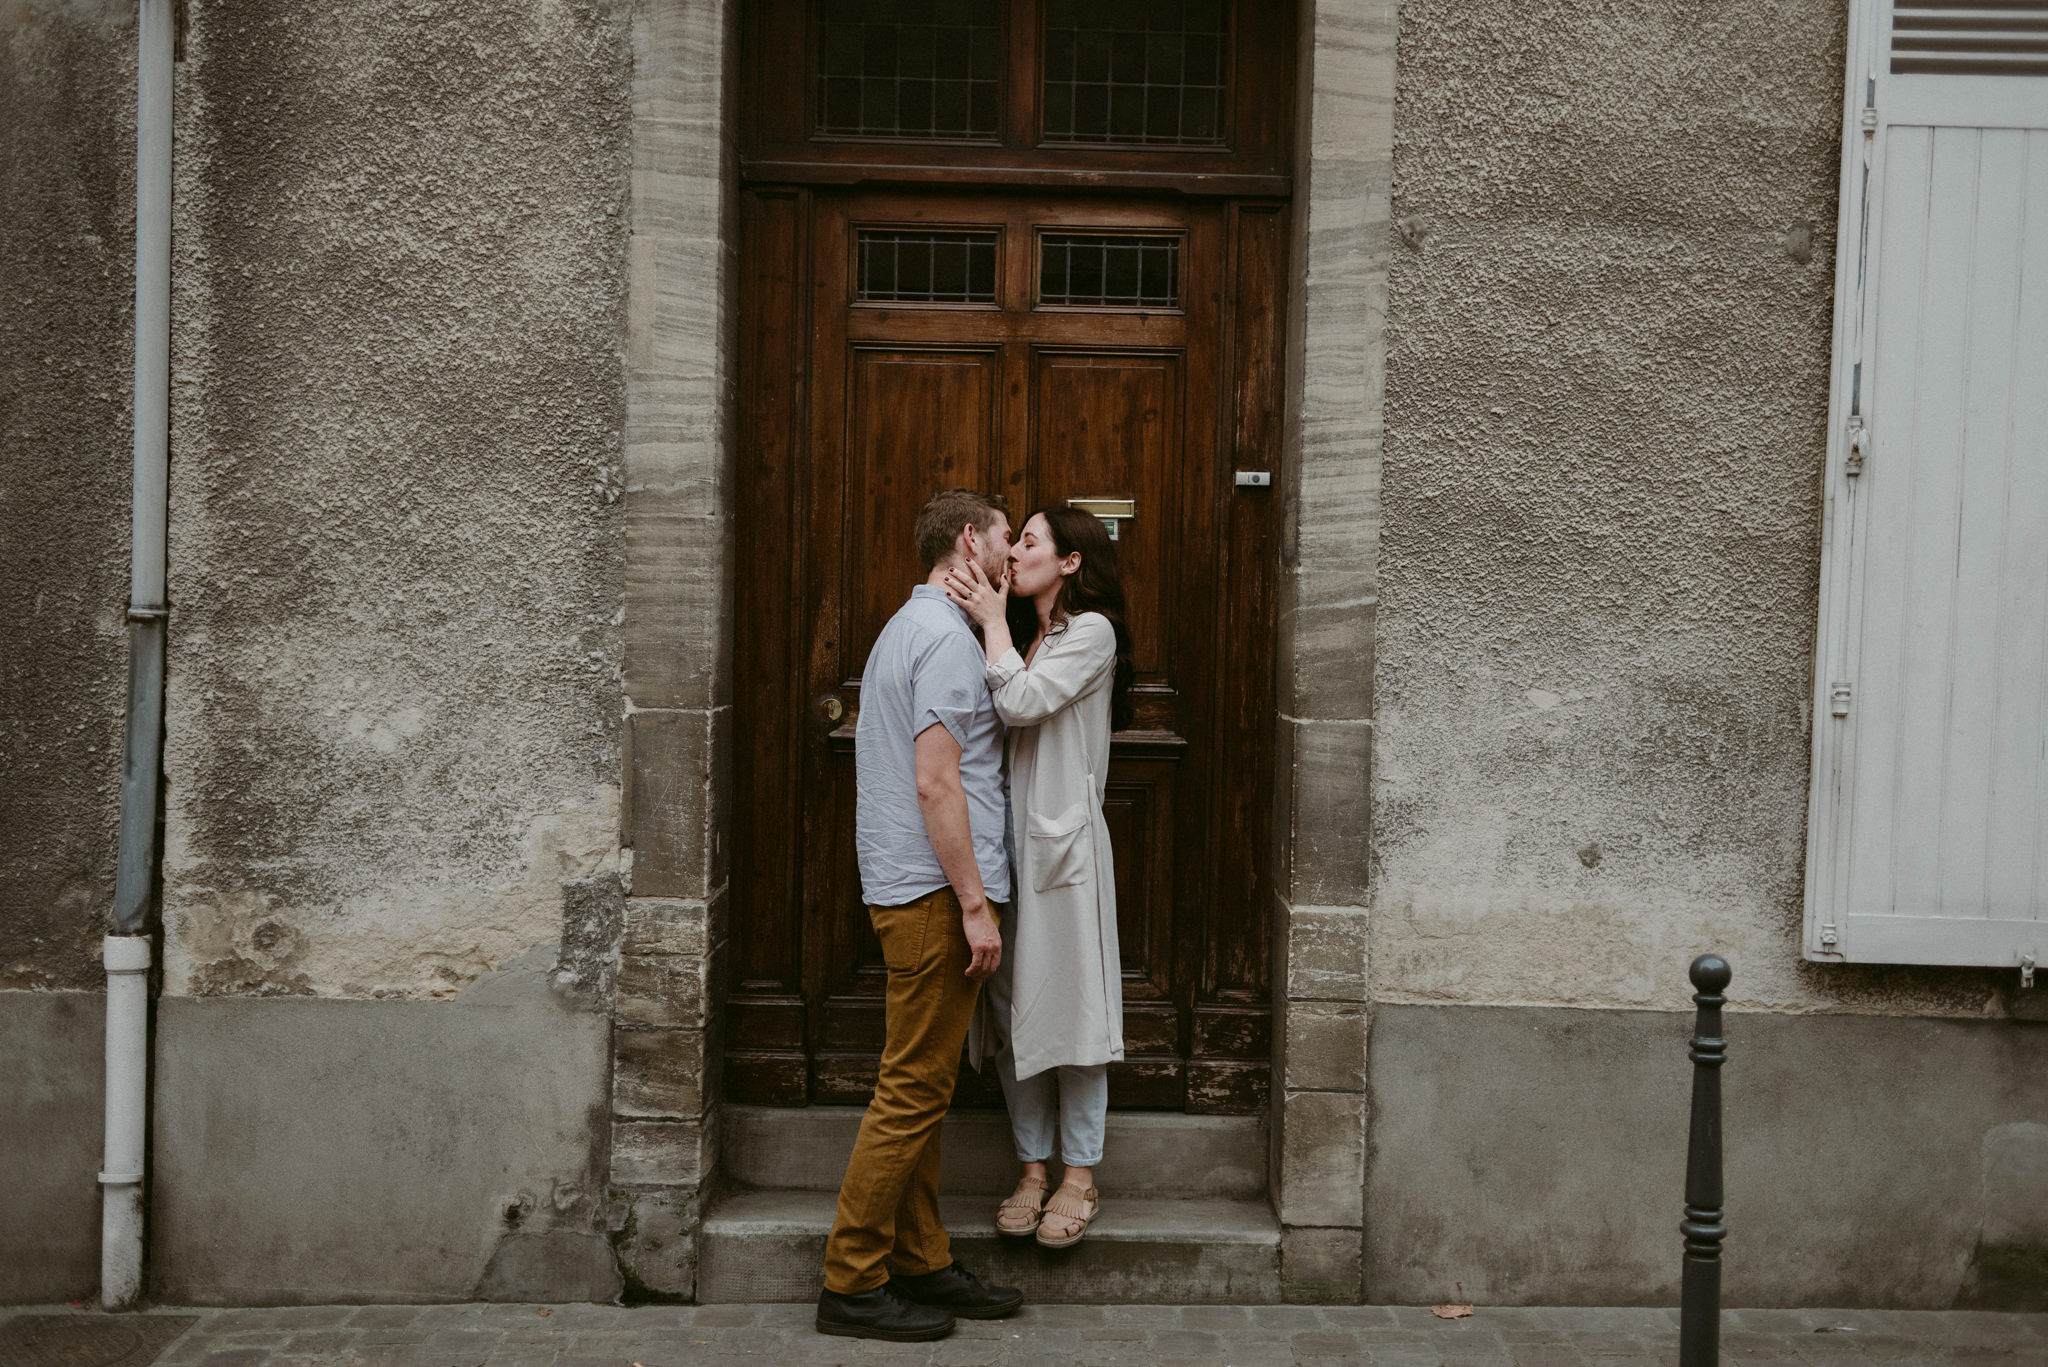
889, 1201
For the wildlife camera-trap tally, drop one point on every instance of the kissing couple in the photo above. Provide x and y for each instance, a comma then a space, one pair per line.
980, 756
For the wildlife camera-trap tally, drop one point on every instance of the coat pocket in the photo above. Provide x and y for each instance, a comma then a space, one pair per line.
1060, 848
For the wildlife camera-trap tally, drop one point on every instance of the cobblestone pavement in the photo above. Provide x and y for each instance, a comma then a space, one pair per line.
1113, 1336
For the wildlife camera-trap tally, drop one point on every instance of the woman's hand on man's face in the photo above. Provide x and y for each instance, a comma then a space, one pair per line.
968, 586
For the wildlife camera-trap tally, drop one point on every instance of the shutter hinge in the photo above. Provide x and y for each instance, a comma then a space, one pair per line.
1869, 119
1859, 440
1838, 700
2027, 971
1828, 938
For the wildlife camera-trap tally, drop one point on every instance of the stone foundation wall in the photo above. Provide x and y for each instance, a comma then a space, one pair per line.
1527, 1155
315, 1150
52, 1074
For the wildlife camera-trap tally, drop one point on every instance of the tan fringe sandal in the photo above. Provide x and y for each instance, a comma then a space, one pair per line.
1073, 1205
1018, 1216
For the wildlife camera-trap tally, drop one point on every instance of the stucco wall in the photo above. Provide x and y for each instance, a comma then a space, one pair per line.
52, 1079
396, 556
1607, 391
1536, 1156
67, 250
315, 1150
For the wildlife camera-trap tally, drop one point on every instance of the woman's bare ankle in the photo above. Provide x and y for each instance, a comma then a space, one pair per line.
1033, 1170
1078, 1178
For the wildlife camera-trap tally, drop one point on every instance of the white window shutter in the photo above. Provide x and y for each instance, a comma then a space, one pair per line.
1927, 838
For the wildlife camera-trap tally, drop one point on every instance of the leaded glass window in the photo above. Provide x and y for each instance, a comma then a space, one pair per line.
1135, 71
1096, 270
918, 266
909, 68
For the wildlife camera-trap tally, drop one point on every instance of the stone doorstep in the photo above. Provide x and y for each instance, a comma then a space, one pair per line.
759, 1246
1146, 1154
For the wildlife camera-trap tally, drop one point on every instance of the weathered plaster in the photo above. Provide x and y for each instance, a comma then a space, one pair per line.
397, 538
67, 250
1607, 395
423, 936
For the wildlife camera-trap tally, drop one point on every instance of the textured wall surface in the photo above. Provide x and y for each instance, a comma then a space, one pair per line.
396, 560
320, 1150
1536, 1156
52, 1081
67, 253
1607, 396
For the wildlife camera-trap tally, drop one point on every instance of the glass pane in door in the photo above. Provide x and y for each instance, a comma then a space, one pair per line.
909, 69
1135, 71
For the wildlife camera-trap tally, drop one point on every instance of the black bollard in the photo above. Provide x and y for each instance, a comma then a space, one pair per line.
1699, 1315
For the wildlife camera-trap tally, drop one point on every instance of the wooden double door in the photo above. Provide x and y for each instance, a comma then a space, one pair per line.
1119, 350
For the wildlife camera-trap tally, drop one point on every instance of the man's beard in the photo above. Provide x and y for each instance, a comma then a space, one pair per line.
995, 566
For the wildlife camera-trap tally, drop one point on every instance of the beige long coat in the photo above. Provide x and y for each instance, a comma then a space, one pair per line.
1066, 975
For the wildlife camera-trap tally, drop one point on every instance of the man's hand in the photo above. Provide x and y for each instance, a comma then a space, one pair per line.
984, 939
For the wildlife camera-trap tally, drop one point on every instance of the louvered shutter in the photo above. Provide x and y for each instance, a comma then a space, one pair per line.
1928, 823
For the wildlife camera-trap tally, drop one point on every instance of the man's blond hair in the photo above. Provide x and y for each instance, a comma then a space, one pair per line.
946, 512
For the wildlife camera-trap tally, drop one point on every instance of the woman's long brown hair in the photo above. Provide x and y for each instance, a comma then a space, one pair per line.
1097, 586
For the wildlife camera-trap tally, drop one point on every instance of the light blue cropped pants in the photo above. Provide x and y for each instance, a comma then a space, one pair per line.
1074, 1102
1070, 1105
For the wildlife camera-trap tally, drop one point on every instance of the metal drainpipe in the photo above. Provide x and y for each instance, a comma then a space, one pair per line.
126, 952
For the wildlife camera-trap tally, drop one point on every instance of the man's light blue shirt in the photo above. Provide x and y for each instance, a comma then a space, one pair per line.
926, 669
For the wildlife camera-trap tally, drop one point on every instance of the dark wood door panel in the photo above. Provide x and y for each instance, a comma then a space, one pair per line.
917, 420
1107, 425
1138, 806
766, 1060
773, 358
847, 958
902, 326
856, 417
1234, 971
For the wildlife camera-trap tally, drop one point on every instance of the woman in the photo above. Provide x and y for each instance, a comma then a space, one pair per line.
1056, 1001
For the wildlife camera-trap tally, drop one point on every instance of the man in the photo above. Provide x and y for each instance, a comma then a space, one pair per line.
928, 822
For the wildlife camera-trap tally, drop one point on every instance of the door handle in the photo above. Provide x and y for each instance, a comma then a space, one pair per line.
830, 708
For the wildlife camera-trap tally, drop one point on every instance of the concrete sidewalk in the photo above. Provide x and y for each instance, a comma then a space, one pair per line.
1041, 1336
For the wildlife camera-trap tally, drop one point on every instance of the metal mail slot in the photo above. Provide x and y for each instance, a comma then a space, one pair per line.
1113, 511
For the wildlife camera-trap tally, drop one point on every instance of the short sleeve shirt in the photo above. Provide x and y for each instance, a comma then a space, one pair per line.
927, 669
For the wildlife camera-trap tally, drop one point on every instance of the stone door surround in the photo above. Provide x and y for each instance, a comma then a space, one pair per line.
684, 474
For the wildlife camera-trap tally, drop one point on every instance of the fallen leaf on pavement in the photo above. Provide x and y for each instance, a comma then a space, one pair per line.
544, 1310
1450, 1312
